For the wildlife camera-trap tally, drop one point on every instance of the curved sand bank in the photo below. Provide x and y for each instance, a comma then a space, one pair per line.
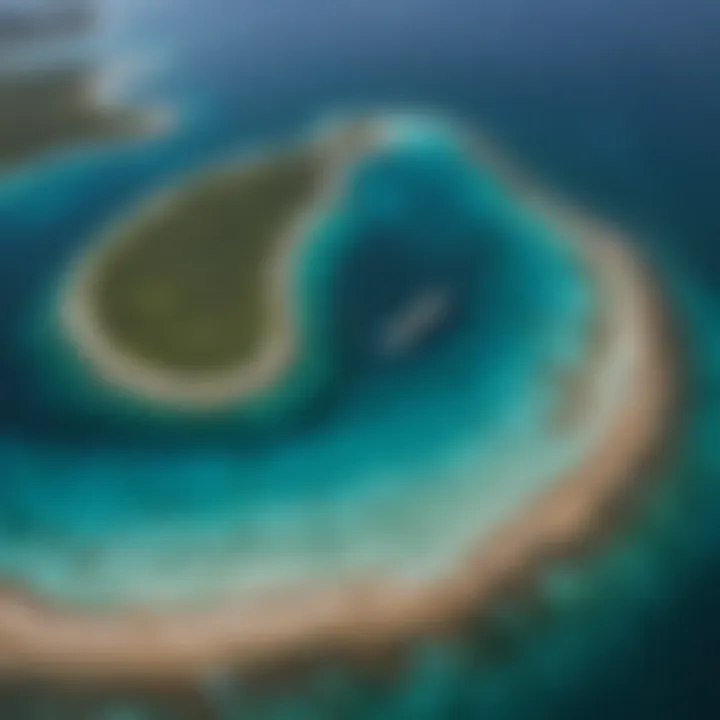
46, 640
183, 390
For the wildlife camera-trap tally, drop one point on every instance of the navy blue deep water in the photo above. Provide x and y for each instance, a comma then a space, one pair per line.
615, 104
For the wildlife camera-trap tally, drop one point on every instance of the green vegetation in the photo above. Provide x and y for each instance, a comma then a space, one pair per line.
185, 287
43, 111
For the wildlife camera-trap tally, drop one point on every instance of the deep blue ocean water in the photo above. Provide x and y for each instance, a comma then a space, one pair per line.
615, 105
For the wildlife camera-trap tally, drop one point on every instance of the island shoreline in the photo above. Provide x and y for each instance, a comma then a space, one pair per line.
281, 347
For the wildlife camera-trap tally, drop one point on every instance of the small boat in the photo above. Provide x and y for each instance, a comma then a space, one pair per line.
414, 322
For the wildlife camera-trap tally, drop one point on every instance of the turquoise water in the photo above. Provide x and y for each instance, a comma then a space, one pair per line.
619, 631
333, 469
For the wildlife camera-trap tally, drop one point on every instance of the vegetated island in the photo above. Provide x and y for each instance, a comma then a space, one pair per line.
191, 302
